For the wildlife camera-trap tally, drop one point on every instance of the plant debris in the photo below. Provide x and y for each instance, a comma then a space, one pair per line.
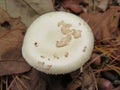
101, 72
11, 60
104, 25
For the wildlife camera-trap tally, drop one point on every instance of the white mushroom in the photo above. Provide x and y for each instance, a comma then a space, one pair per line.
39, 46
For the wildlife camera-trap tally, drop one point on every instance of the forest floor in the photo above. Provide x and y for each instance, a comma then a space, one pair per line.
101, 72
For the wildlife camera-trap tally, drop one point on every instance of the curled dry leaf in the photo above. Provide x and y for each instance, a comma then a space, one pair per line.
11, 36
72, 5
104, 25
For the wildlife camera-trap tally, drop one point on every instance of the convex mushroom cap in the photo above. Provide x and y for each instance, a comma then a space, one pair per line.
58, 43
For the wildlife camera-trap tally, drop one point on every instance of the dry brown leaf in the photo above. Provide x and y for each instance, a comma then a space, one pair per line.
41, 6
11, 37
18, 8
104, 25
72, 1
72, 5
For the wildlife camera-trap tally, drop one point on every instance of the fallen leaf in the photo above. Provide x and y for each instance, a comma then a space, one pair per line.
104, 25
72, 5
18, 8
11, 37
72, 1
41, 6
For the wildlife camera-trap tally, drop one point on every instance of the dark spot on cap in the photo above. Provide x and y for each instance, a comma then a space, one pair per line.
36, 44
42, 56
48, 58
84, 49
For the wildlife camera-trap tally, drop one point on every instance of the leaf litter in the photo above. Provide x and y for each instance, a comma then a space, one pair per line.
11, 60
101, 72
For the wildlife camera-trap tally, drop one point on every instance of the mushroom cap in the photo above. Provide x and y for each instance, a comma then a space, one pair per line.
58, 43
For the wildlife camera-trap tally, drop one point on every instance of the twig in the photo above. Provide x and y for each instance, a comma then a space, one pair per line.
93, 75
6, 82
100, 70
115, 68
18, 85
26, 77
11, 83
88, 64
21, 82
